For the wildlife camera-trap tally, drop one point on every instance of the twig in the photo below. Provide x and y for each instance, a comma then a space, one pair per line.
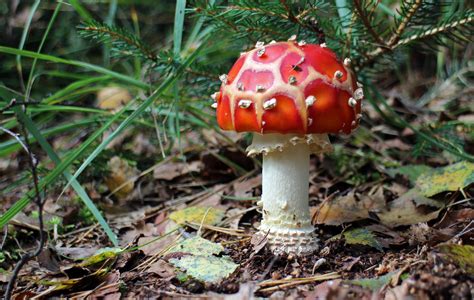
268, 268
228, 231
275, 285
381, 50
465, 230
4, 239
199, 232
14, 102
39, 203
401, 27
16, 137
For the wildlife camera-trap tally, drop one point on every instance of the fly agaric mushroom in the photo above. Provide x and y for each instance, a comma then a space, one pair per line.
291, 95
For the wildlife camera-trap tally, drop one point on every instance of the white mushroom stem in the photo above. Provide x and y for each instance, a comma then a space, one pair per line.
285, 186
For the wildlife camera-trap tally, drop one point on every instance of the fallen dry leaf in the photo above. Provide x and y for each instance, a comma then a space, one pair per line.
330, 289
151, 245
197, 214
243, 189
162, 269
113, 98
410, 208
118, 181
110, 290
349, 208
172, 170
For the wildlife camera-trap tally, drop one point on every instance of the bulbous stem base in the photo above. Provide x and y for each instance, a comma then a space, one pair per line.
285, 183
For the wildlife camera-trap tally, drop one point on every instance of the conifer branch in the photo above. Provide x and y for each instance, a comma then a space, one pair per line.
403, 24
434, 31
125, 42
370, 57
366, 22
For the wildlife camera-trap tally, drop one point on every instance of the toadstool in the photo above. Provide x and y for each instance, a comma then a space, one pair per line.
291, 95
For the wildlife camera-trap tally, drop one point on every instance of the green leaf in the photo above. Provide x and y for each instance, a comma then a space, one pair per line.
450, 178
462, 255
138, 111
360, 236
101, 255
178, 25
412, 172
91, 67
66, 163
81, 10
75, 184
373, 284
201, 263
210, 269
195, 214
197, 246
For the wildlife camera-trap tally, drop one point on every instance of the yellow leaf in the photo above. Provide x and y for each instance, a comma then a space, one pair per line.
195, 214
450, 178
113, 98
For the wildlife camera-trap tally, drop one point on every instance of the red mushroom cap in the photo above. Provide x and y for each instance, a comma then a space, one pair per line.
289, 87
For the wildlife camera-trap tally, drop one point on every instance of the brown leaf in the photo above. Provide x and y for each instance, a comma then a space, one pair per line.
49, 260
410, 208
244, 188
172, 170
258, 242
387, 237
331, 289
120, 181
398, 293
349, 208
350, 262
151, 245
162, 269
144, 229
110, 289
456, 216
391, 144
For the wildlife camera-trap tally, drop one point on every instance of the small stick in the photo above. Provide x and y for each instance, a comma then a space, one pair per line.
285, 283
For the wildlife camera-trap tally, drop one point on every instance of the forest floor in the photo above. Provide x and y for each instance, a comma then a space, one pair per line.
392, 205
390, 225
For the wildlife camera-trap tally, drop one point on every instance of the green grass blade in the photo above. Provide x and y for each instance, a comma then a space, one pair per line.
178, 25
24, 35
66, 163
12, 145
81, 10
91, 67
74, 183
140, 109
43, 40
74, 86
